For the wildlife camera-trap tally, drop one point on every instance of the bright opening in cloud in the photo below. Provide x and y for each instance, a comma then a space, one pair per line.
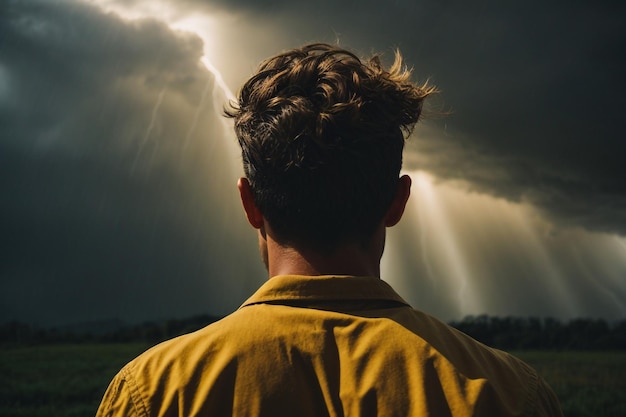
207, 27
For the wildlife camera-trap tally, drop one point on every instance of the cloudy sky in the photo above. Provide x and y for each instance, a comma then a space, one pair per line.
117, 173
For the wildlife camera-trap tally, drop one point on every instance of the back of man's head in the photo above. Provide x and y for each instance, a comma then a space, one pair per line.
322, 135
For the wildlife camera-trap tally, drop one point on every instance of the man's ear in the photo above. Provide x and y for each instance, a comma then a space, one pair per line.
254, 215
396, 210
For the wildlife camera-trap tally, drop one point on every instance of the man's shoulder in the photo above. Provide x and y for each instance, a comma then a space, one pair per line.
504, 377
207, 340
171, 373
467, 354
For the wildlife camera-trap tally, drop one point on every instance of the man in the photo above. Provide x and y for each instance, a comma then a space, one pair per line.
322, 135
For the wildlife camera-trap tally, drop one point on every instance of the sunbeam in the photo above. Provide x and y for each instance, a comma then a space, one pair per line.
443, 243
146, 136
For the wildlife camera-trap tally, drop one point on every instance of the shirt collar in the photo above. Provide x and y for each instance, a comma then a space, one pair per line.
299, 288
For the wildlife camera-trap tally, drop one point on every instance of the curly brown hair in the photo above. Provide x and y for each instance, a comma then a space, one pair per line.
322, 134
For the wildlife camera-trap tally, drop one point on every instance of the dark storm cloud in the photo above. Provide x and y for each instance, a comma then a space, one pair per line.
535, 90
537, 111
66, 67
114, 198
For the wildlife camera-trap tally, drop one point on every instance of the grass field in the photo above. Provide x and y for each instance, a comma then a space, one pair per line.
59, 380
69, 380
587, 383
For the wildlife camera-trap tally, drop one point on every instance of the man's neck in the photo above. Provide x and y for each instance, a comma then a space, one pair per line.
353, 259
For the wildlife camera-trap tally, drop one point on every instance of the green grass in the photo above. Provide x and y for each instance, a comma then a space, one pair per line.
69, 380
59, 380
587, 383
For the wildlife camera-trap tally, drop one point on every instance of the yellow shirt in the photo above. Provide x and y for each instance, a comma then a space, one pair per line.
327, 346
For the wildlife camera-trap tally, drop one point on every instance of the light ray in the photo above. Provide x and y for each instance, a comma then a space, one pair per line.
538, 253
196, 115
433, 215
218, 78
146, 136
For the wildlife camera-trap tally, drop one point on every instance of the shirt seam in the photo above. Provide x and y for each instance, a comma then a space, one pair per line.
135, 395
530, 408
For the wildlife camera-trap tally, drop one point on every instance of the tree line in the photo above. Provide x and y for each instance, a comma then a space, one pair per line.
104, 331
507, 333
532, 333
